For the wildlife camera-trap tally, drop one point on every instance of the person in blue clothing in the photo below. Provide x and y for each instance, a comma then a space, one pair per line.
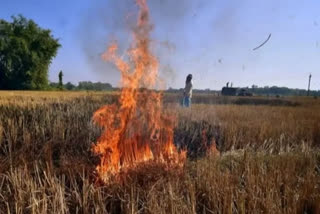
187, 92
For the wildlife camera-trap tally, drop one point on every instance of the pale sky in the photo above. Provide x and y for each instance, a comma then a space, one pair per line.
212, 39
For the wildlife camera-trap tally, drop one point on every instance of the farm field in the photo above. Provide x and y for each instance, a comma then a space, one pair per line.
264, 157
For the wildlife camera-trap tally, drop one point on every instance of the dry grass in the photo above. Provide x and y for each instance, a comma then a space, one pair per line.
266, 128
270, 160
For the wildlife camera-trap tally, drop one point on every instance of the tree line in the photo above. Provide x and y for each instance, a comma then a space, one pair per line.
282, 91
82, 86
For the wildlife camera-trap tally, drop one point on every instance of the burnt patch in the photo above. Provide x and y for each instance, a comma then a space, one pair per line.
197, 137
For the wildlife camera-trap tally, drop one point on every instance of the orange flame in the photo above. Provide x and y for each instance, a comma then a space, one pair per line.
211, 149
136, 129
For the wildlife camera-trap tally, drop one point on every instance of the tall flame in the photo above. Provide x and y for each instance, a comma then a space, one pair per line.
136, 129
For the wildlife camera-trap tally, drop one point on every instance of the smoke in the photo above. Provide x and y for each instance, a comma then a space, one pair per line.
175, 38
103, 23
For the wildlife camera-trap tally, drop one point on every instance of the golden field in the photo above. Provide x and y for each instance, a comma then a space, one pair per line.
268, 159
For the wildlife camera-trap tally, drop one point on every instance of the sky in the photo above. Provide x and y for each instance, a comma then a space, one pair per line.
211, 39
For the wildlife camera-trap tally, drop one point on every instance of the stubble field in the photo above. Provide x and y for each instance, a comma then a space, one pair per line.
267, 157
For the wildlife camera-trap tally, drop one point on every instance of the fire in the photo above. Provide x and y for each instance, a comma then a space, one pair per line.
136, 129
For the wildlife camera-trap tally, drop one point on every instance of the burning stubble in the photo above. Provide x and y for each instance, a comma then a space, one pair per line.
137, 129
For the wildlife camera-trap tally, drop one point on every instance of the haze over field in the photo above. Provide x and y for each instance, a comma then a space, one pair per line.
211, 39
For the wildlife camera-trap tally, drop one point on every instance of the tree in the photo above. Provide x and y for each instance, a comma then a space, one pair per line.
60, 80
98, 86
26, 51
69, 86
53, 85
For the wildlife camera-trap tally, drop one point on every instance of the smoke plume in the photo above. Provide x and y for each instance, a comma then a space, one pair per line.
175, 41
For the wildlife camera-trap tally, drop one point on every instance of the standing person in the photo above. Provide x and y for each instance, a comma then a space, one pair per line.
187, 92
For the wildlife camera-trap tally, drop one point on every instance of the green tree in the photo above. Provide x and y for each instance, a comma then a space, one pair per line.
98, 86
69, 86
26, 51
60, 80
